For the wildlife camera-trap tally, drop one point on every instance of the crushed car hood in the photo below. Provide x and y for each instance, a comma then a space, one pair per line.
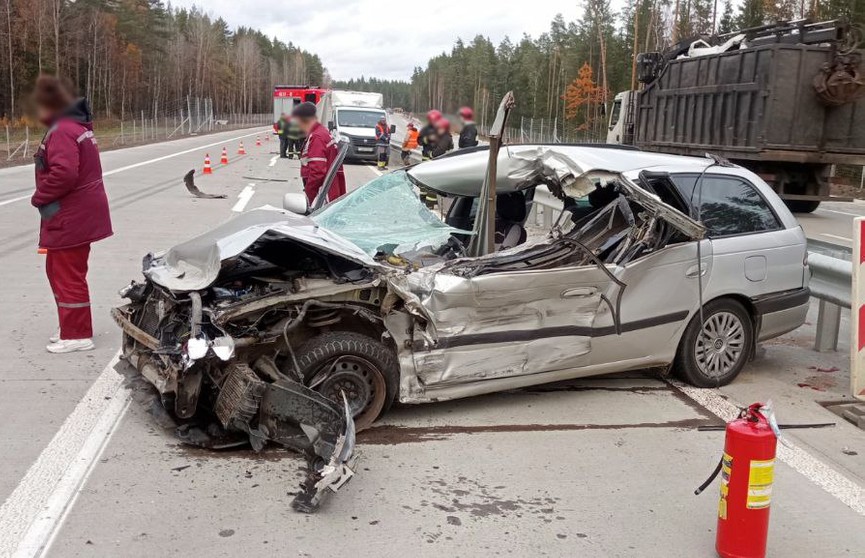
195, 264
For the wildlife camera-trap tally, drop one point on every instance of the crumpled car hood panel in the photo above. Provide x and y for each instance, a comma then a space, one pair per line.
195, 264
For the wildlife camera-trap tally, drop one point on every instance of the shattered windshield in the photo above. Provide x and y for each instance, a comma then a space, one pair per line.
386, 216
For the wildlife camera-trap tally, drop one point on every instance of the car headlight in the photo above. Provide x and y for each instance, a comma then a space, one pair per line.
345, 138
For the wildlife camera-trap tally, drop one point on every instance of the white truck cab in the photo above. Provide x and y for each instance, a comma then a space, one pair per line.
621, 130
352, 116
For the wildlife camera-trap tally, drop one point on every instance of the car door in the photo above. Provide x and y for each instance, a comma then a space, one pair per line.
507, 323
753, 254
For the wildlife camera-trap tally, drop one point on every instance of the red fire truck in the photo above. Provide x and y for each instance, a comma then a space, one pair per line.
286, 97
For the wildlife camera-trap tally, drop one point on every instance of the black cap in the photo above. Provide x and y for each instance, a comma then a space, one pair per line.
304, 110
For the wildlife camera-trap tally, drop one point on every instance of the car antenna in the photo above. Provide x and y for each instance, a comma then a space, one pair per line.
698, 189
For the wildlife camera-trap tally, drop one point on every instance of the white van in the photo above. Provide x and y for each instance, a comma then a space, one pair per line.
352, 117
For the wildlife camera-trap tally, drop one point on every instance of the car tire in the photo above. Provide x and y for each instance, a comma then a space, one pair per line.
363, 368
802, 206
729, 346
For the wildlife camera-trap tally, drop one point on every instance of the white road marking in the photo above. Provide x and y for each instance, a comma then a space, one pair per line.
148, 162
243, 198
33, 513
13, 200
822, 210
838, 485
836, 237
273, 160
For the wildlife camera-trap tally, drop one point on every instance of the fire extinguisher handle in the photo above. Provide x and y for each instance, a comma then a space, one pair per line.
709, 480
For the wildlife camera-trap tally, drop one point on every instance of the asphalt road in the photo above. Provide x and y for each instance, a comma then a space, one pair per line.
599, 467
833, 221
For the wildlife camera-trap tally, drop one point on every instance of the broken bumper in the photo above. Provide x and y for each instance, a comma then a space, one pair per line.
285, 412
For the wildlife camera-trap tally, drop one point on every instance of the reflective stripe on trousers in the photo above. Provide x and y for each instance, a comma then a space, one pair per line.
67, 275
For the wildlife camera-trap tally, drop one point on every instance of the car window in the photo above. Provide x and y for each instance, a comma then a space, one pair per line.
729, 205
358, 118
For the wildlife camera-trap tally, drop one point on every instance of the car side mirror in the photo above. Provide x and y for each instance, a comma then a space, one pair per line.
331, 126
296, 202
393, 128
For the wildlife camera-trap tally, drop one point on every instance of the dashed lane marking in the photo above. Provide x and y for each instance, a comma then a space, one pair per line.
148, 162
243, 198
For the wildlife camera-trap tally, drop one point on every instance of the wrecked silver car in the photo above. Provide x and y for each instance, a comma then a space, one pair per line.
295, 329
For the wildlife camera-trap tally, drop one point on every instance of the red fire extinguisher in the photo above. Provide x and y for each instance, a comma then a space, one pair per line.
747, 473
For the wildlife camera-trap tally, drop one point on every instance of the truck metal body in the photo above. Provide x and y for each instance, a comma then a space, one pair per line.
758, 105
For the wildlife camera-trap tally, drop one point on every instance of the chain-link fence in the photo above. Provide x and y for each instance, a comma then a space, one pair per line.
185, 117
545, 130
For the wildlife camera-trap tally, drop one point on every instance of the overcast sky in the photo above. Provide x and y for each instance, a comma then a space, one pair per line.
383, 38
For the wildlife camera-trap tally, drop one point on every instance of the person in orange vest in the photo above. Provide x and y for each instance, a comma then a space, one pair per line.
382, 142
409, 143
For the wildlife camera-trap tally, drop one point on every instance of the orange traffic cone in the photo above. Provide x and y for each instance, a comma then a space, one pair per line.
257, 141
224, 159
207, 169
267, 137
241, 150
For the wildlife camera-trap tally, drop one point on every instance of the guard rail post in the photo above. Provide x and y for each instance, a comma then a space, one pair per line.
828, 326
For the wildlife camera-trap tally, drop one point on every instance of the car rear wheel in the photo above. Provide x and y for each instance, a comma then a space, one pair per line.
802, 206
359, 366
712, 353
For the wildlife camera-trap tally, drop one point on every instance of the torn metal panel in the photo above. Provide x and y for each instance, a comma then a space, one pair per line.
195, 264
543, 317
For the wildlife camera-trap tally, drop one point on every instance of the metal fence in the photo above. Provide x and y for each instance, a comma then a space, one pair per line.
545, 130
185, 117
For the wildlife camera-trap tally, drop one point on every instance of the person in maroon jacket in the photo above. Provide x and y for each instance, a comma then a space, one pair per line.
319, 152
73, 205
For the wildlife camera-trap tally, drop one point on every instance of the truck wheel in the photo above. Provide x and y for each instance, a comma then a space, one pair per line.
802, 206
717, 356
359, 366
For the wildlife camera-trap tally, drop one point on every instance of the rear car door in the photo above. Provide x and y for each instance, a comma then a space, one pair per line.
753, 253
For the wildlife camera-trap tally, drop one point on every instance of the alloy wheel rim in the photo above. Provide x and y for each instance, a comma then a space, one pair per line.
720, 344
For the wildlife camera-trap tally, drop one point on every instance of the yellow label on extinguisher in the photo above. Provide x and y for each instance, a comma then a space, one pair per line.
760, 478
726, 471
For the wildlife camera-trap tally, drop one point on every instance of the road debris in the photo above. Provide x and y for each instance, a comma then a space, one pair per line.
188, 179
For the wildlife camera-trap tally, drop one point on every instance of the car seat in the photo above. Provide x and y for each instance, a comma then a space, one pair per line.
510, 216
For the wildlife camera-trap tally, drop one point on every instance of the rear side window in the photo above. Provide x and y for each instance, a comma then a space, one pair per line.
729, 205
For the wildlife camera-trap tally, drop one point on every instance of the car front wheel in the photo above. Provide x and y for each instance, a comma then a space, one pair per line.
712, 353
364, 369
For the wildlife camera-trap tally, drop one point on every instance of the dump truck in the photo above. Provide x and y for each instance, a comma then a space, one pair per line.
783, 100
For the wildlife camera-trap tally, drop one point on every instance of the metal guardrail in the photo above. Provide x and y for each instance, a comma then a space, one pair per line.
831, 283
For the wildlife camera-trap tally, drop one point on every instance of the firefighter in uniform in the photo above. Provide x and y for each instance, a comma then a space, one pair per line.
445, 141
427, 138
469, 131
320, 150
295, 139
282, 131
427, 135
